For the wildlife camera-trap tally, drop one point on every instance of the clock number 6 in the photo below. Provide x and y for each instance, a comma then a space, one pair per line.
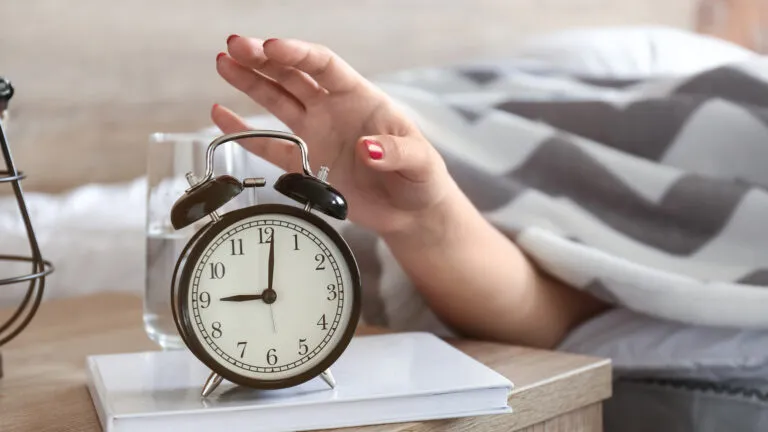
271, 357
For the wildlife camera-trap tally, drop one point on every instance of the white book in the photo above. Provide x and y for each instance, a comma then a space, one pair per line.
380, 379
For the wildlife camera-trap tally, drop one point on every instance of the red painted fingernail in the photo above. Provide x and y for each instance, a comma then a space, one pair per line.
229, 39
219, 55
375, 151
215, 106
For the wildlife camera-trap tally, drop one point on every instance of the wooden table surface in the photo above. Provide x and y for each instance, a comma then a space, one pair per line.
44, 384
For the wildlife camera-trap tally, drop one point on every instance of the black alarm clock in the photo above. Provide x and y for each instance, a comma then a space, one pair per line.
266, 296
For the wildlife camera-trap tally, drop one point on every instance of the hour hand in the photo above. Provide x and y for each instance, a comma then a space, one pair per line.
241, 297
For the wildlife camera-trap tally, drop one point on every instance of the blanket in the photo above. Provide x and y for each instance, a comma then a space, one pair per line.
650, 195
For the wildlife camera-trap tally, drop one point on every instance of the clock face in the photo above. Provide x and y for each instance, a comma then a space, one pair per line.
271, 296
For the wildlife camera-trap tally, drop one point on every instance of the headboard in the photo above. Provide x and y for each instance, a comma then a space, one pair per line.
95, 78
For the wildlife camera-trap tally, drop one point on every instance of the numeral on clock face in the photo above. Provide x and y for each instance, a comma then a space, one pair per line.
320, 258
323, 323
271, 357
216, 329
237, 246
217, 270
265, 235
205, 300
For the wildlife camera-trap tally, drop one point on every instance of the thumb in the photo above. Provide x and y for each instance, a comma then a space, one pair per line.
410, 156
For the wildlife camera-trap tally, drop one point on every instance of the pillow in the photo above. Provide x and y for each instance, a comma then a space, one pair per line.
631, 52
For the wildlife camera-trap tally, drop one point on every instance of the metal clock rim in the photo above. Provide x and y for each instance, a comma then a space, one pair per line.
183, 275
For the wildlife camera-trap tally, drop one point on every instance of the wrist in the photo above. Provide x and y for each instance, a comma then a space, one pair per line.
441, 224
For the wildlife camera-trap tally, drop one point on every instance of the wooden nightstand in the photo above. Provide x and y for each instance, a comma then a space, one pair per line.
44, 384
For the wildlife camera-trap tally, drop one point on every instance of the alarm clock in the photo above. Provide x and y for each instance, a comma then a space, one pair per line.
266, 296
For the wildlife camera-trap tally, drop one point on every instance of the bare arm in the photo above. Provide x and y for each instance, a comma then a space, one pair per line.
481, 284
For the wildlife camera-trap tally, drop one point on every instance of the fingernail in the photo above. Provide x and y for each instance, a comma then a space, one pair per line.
375, 151
269, 40
218, 56
229, 39
215, 106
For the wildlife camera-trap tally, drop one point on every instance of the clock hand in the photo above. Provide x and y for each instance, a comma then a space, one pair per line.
271, 270
270, 276
242, 297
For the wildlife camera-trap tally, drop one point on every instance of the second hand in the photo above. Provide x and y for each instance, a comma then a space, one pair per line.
272, 314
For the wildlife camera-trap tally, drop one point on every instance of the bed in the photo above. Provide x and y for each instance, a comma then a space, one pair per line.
670, 391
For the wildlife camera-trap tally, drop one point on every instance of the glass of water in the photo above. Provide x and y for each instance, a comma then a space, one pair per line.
169, 158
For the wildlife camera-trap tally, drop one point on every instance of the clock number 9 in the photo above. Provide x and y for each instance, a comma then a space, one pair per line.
205, 300
216, 332
332, 292
271, 357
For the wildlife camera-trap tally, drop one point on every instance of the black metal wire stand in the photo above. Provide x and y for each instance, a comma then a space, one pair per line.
41, 268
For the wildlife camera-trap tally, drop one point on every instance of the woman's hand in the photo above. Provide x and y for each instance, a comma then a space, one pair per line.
389, 173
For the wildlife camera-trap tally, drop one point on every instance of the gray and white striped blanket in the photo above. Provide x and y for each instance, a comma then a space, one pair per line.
650, 195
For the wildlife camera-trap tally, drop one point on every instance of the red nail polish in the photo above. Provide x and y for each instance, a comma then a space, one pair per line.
375, 151
229, 39
215, 106
218, 56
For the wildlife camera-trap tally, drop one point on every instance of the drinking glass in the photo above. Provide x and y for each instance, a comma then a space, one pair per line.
169, 158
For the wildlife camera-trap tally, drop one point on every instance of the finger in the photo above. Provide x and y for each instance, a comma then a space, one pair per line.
274, 151
263, 90
250, 52
409, 156
319, 62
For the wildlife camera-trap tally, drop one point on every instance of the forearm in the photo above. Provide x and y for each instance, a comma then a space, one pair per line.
480, 283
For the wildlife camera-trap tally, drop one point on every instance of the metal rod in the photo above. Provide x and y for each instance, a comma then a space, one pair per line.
255, 134
36, 286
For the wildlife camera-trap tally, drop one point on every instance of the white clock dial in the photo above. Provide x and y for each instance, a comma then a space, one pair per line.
231, 311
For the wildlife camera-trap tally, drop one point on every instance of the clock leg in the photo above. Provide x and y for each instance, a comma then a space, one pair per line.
211, 383
328, 378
